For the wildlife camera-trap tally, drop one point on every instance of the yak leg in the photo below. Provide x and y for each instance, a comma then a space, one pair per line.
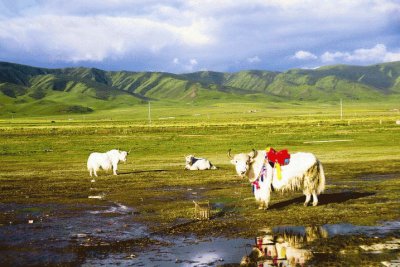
114, 167
315, 198
262, 204
94, 170
266, 205
95, 174
308, 198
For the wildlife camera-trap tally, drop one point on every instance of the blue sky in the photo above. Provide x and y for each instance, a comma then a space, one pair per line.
182, 36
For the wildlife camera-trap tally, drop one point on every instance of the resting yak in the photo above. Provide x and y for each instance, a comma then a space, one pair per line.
193, 163
304, 172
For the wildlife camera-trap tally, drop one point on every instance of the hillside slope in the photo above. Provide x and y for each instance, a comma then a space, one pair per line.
81, 90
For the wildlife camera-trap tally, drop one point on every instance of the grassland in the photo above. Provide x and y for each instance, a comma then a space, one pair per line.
43, 161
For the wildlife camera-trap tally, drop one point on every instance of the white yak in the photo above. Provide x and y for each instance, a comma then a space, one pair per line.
193, 163
105, 161
304, 172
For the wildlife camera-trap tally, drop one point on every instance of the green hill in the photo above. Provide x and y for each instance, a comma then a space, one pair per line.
34, 91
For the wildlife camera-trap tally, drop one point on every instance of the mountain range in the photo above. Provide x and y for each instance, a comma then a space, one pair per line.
33, 90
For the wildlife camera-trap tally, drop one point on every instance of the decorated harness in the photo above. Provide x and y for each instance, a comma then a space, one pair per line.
275, 159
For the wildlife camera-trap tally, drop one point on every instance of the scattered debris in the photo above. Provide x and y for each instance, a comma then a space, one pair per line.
389, 245
81, 235
132, 256
393, 263
96, 197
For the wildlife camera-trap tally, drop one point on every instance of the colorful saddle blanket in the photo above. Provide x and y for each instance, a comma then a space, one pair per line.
282, 157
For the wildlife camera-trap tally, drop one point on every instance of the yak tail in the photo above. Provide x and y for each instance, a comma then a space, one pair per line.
321, 179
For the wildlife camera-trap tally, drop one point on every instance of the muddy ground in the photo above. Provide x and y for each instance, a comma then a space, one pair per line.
52, 214
103, 232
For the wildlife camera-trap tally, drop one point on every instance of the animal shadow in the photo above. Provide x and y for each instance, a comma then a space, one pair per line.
342, 197
139, 171
324, 199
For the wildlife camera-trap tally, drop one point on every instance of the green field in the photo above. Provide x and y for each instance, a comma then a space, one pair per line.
43, 160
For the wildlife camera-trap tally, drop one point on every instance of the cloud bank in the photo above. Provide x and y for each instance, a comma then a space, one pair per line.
190, 35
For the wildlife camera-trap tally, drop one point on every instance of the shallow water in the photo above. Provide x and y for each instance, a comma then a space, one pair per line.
181, 251
105, 234
49, 234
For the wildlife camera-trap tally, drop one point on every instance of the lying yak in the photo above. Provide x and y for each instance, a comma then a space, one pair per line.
303, 172
105, 161
193, 163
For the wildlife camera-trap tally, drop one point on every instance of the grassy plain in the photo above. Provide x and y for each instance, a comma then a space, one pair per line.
43, 160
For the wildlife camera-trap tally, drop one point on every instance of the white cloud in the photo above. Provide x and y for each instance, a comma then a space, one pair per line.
175, 60
329, 57
74, 39
254, 59
304, 55
221, 35
378, 53
187, 65
389, 57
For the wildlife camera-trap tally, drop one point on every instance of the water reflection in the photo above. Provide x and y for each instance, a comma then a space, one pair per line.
283, 246
106, 234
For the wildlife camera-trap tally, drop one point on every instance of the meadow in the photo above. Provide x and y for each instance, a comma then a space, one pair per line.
43, 160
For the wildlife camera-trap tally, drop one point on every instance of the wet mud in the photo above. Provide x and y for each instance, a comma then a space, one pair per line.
51, 234
107, 234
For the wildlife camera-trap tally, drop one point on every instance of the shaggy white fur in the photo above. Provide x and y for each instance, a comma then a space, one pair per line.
105, 161
304, 172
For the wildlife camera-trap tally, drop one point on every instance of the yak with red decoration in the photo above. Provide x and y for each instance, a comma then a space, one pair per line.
281, 171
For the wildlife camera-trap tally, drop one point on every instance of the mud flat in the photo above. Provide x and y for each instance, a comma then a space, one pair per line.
106, 234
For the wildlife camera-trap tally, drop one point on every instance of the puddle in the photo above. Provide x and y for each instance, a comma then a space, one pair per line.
107, 235
278, 246
325, 245
331, 230
181, 252
50, 234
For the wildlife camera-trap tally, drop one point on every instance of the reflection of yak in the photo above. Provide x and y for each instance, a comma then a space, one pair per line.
283, 246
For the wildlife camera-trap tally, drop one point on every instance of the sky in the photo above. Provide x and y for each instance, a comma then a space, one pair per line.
182, 36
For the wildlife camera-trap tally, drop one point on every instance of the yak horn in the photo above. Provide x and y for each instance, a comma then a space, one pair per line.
254, 153
229, 154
